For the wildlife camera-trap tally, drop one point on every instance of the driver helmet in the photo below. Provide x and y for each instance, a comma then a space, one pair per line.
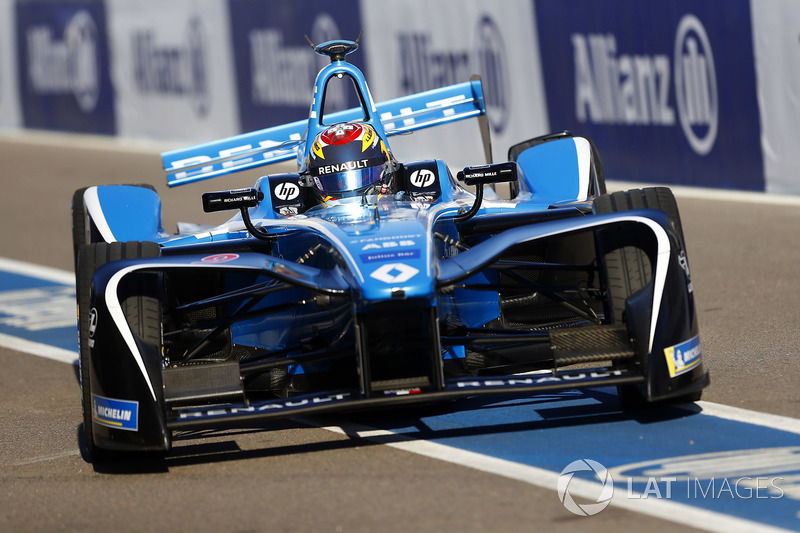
346, 159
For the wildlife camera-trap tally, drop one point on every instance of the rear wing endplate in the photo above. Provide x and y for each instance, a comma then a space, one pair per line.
281, 143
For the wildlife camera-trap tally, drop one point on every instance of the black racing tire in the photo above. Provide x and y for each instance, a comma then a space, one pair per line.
82, 231
80, 235
628, 269
143, 313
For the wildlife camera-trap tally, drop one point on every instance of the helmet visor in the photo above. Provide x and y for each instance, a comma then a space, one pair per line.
348, 180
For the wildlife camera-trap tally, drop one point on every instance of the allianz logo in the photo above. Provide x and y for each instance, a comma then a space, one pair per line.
615, 88
424, 67
66, 65
283, 74
174, 69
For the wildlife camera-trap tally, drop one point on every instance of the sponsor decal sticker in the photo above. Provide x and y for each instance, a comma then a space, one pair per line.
394, 273
535, 380
286, 191
683, 357
92, 326
267, 406
218, 258
113, 413
402, 392
389, 256
422, 178
343, 167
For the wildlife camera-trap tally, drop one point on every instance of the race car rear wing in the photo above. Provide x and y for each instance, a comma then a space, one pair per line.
281, 143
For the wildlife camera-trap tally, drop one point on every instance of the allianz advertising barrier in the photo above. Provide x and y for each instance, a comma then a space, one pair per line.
63, 66
275, 67
667, 90
173, 69
695, 92
453, 40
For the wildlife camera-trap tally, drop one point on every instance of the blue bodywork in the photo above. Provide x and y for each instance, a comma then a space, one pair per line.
427, 293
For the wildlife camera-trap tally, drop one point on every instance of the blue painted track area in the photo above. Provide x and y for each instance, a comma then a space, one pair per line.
40, 310
703, 465
674, 455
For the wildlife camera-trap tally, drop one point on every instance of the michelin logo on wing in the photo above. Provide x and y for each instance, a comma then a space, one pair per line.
113, 413
424, 67
68, 64
683, 357
174, 69
634, 89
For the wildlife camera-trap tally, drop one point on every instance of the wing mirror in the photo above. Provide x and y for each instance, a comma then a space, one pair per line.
235, 199
479, 176
241, 199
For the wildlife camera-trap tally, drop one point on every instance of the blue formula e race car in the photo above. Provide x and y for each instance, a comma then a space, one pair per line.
361, 281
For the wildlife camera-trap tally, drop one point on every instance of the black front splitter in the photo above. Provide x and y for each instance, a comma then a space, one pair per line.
227, 415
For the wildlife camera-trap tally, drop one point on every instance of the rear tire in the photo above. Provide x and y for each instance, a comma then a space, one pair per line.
628, 269
143, 313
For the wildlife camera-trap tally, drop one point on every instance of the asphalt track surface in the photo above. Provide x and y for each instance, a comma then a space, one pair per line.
296, 476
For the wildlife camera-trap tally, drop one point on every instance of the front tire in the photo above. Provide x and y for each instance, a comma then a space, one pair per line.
83, 230
628, 269
143, 313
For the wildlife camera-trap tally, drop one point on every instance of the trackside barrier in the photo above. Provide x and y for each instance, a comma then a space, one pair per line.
670, 91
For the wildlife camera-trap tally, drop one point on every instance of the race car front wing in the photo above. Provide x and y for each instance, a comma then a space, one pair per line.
342, 400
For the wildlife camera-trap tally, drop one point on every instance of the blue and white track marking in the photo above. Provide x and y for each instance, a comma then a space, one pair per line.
38, 311
699, 454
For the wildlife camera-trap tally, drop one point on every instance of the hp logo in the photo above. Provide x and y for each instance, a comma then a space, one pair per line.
422, 178
287, 191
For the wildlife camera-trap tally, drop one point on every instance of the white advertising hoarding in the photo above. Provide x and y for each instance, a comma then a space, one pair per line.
9, 100
418, 45
172, 72
776, 43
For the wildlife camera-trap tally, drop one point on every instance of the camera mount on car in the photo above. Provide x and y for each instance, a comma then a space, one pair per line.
478, 176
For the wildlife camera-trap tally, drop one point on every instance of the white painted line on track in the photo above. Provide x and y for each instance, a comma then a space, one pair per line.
737, 414
56, 275
40, 349
46, 458
658, 508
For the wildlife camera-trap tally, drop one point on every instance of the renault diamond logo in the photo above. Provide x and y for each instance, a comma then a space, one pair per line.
394, 273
